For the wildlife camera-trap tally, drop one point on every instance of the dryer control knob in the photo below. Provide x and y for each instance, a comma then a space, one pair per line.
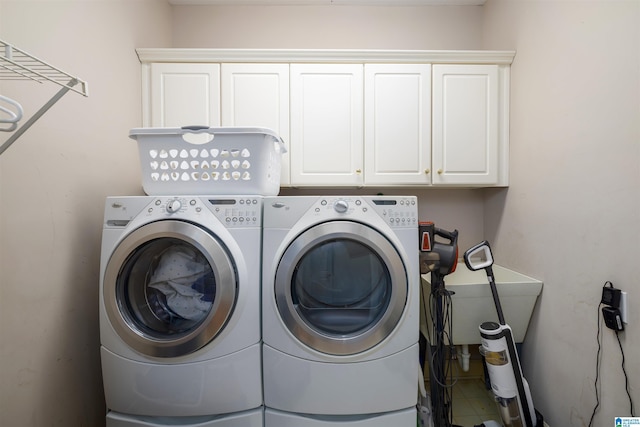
174, 206
341, 206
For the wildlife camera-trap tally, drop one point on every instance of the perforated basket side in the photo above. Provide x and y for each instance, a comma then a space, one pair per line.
232, 163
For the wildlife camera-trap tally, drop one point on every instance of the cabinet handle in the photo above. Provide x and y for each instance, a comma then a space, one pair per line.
440, 171
427, 171
358, 171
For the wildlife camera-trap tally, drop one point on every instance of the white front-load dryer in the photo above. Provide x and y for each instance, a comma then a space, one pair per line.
180, 308
340, 305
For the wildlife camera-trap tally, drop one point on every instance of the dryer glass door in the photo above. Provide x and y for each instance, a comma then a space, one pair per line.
341, 287
169, 288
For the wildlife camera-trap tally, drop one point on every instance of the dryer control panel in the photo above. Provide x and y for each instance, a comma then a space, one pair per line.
395, 211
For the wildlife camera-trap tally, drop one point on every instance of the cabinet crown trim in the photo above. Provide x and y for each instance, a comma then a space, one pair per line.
148, 55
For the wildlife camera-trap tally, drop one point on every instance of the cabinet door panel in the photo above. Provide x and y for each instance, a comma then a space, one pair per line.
465, 124
185, 94
326, 124
257, 95
397, 124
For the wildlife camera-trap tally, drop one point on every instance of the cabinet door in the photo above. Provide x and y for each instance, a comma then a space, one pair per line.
257, 95
397, 117
184, 94
465, 124
326, 124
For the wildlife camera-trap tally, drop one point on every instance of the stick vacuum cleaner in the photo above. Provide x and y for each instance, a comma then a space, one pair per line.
510, 388
440, 258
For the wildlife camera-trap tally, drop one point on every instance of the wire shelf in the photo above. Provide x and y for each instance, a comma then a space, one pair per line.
16, 64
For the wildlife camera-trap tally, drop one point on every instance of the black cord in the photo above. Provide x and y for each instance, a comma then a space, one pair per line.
441, 361
626, 378
595, 409
452, 365
624, 371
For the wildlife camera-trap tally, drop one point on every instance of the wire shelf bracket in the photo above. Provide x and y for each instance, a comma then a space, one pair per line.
16, 64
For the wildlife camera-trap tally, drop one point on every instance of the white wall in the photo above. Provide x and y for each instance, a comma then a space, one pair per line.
571, 215
53, 182
326, 27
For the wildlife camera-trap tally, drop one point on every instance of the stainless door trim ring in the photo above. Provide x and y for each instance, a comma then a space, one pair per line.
223, 303
341, 344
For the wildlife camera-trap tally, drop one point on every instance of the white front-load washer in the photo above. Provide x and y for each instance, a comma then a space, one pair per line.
180, 309
340, 301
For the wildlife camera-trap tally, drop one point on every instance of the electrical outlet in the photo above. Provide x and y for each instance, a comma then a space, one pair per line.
624, 308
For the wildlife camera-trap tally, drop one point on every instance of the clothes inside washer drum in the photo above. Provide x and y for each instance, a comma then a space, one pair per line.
183, 276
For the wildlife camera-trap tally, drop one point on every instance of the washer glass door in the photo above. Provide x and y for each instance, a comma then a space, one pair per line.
169, 288
341, 287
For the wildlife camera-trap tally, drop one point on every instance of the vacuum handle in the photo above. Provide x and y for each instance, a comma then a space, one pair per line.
484, 261
447, 252
451, 236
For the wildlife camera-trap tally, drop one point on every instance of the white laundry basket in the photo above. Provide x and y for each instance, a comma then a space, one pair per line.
203, 160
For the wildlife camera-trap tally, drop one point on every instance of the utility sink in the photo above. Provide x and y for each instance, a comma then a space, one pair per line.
472, 302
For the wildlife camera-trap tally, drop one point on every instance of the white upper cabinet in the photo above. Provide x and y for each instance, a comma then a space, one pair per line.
397, 123
182, 95
257, 95
326, 125
466, 125
349, 118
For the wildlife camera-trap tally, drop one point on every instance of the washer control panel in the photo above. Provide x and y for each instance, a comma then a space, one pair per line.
232, 212
396, 211
174, 206
245, 211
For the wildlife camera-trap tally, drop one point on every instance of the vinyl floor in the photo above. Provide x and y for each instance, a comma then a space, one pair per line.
472, 403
